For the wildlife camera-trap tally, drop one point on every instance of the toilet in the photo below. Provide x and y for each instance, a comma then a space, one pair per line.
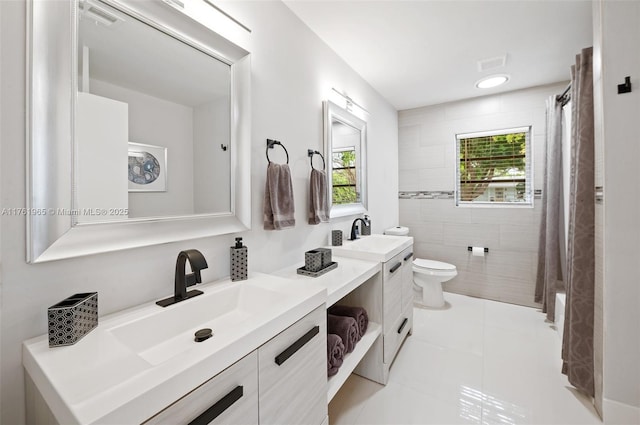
428, 275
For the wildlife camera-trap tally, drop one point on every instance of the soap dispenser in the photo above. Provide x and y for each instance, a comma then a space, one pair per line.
238, 261
366, 227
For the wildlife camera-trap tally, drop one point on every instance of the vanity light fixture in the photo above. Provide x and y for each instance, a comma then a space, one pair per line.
349, 104
492, 81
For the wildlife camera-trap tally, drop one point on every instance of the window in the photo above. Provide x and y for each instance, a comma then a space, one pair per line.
494, 167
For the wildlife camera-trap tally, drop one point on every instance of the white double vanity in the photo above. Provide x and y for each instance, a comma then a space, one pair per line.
266, 362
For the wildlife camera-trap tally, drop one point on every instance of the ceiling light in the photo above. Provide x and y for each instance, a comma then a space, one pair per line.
492, 81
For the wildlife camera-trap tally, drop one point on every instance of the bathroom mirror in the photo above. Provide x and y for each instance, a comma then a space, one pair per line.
139, 128
345, 139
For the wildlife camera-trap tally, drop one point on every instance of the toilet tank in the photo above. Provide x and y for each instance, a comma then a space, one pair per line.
397, 231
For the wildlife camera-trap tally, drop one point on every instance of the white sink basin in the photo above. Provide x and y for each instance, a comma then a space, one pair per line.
375, 247
170, 331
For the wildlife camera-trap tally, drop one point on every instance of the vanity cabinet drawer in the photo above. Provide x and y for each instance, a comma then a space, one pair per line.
392, 300
293, 373
407, 277
392, 268
231, 397
394, 337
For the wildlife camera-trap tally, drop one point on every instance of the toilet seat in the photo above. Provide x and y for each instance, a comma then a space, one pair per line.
434, 268
433, 265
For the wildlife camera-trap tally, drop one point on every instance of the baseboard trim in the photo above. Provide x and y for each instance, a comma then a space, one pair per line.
616, 413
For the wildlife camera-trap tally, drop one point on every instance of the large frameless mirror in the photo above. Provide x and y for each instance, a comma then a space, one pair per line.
139, 128
345, 140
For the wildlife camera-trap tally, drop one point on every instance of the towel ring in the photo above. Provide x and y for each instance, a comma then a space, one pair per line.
310, 153
270, 144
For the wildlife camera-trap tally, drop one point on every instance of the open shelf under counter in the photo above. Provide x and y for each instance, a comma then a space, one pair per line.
352, 359
349, 275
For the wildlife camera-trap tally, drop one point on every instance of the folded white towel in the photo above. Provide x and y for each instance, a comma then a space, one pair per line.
318, 204
278, 209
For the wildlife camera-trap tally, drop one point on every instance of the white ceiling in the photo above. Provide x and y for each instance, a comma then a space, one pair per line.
418, 53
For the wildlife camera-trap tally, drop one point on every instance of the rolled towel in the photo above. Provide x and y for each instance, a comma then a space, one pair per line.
358, 313
335, 354
346, 328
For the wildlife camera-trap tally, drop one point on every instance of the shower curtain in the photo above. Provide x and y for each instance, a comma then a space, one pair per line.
551, 243
577, 344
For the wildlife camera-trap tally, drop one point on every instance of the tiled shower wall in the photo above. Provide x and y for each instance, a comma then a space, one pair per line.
442, 231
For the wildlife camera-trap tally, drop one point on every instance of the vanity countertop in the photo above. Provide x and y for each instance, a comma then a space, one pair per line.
111, 377
349, 274
373, 247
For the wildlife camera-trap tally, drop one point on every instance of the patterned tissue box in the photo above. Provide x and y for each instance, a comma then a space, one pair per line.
72, 318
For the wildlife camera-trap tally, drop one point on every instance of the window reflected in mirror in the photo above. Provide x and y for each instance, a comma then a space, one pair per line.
345, 144
344, 181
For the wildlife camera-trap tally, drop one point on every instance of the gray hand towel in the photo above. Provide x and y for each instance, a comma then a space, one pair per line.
318, 205
278, 209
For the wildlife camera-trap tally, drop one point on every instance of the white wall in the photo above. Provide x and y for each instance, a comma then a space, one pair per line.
293, 71
617, 340
442, 231
158, 122
211, 164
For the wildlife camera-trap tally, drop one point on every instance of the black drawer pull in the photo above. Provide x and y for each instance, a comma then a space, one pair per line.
217, 409
404, 323
409, 255
394, 268
282, 357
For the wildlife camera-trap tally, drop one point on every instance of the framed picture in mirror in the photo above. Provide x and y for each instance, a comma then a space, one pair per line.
147, 168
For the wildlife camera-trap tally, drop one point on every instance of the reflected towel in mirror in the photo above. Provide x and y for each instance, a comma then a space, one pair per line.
278, 209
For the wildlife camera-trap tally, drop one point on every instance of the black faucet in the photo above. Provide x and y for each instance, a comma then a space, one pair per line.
354, 234
182, 281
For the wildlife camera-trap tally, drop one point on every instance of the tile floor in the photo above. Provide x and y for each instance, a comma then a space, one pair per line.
476, 362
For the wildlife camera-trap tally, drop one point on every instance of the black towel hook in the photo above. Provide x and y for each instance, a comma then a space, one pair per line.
270, 144
310, 153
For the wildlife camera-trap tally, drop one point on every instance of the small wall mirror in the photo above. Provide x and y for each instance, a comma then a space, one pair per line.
139, 128
345, 139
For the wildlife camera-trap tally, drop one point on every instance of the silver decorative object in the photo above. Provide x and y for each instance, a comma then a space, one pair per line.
305, 272
72, 318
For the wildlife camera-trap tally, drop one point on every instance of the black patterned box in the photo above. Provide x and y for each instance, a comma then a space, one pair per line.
313, 260
72, 318
336, 237
239, 264
326, 256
